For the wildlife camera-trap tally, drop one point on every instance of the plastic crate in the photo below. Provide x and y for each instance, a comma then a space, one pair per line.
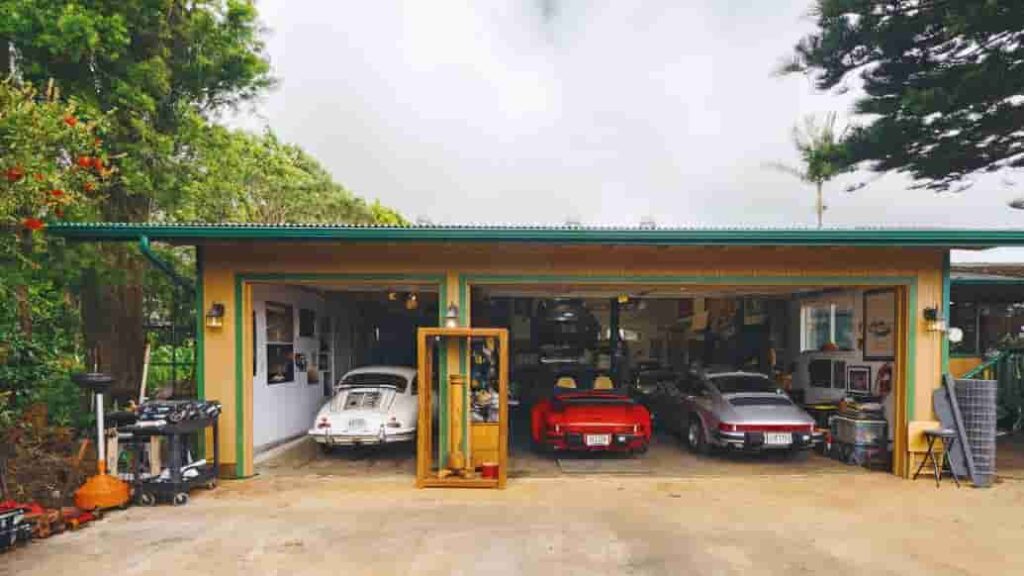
12, 530
856, 432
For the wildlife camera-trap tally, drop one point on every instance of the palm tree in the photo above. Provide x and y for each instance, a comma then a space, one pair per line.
822, 153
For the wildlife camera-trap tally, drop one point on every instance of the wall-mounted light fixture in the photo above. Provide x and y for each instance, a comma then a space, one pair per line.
451, 317
412, 302
934, 319
215, 316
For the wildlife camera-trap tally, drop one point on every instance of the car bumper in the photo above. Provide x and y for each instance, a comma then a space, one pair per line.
329, 438
619, 442
755, 441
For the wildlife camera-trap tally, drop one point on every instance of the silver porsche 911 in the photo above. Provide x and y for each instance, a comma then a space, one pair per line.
737, 410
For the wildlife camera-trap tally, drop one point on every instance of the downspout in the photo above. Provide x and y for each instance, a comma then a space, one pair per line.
167, 269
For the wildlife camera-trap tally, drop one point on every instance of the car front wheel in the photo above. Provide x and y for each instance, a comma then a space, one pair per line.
695, 437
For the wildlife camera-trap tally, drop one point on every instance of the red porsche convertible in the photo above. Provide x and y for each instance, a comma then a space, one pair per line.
590, 416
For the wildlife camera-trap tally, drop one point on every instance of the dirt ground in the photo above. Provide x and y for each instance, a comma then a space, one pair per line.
326, 525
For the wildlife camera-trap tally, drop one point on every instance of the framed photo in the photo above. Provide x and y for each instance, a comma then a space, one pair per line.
879, 324
753, 311
858, 379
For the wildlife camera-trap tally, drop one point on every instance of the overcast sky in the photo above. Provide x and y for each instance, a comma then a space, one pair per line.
543, 111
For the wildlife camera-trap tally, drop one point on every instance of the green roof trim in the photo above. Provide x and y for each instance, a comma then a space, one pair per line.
198, 233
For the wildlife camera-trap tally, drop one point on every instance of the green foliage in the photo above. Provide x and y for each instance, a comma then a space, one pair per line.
943, 82
161, 373
50, 157
236, 176
37, 368
143, 79
154, 66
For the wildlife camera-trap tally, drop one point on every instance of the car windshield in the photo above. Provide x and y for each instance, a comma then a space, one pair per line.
374, 380
743, 383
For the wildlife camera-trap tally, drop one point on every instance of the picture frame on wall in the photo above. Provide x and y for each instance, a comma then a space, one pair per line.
753, 311
879, 324
858, 379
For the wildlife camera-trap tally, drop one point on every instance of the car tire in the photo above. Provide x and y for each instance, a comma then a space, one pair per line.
696, 439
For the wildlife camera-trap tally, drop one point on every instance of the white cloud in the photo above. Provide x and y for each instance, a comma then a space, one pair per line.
606, 112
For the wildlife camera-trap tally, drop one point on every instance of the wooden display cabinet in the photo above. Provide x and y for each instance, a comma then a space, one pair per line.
452, 448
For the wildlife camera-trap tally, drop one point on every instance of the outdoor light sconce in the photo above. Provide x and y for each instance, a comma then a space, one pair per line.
412, 302
935, 321
451, 317
215, 316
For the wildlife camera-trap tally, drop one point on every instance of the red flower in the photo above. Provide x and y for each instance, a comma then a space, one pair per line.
89, 186
15, 173
32, 224
97, 163
56, 193
84, 161
39, 177
70, 120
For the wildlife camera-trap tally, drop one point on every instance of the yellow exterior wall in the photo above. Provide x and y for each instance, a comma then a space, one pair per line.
570, 264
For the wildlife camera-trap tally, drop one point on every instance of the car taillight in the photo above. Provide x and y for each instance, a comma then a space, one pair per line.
726, 427
323, 423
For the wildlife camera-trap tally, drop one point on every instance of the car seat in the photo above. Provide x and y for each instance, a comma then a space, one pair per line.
566, 383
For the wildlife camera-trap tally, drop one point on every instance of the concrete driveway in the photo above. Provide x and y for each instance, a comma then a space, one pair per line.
327, 525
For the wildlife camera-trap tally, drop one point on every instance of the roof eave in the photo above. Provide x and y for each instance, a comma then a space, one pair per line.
196, 234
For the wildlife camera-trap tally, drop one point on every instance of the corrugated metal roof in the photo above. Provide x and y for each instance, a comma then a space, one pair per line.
572, 234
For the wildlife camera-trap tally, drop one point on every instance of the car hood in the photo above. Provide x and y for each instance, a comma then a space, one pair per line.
761, 409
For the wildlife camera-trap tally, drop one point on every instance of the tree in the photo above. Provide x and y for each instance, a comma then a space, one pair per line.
153, 67
52, 167
822, 154
943, 82
236, 176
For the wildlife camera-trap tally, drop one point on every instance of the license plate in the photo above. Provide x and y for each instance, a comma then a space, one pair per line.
778, 438
598, 439
357, 424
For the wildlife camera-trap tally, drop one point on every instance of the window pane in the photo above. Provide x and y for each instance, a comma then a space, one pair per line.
280, 323
816, 326
844, 328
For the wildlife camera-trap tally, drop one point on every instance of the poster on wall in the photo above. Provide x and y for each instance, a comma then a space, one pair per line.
880, 325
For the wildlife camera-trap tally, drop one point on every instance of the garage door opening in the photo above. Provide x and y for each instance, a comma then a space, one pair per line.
821, 346
306, 337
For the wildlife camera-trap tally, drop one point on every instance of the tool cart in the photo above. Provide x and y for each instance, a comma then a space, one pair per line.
177, 424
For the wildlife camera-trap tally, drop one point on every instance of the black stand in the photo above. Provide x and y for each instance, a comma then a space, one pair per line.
948, 439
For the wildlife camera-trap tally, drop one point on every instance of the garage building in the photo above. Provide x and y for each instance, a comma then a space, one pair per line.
303, 304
